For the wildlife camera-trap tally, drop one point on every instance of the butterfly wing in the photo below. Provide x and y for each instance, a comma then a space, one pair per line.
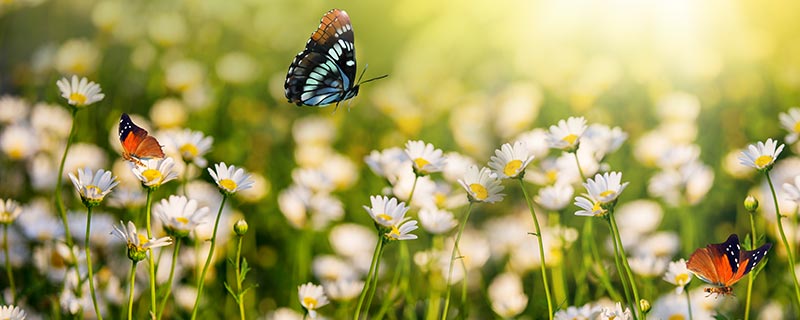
136, 142
702, 263
323, 73
747, 261
717, 263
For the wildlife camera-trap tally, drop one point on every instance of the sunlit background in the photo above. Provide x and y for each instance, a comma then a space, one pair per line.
466, 76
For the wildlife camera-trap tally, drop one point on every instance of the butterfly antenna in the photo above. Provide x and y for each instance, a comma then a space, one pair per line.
359, 82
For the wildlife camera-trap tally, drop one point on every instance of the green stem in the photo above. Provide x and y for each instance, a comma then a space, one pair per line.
689, 303
624, 258
375, 274
171, 275
62, 212
375, 259
239, 278
541, 250
688, 230
783, 238
464, 287
620, 269
604, 278
751, 277
434, 280
89, 261
395, 286
452, 260
578, 163
130, 292
9, 272
201, 281
151, 261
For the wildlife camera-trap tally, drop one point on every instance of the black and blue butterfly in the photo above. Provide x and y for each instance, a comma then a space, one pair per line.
324, 72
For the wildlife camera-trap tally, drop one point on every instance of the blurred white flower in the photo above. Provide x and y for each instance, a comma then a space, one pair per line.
790, 121
685, 185
51, 119
11, 312
184, 75
312, 297
648, 265
555, 197
388, 163
85, 155
678, 107
584, 312
437, 221
314, 130
567, 134
602, 140
731, 165
678, 274
343, 289
482, 185
237, 68
536, 142
761, 155
19, 141
676, 156
353, 240
615, 313
167, 28
168, 113
506, 295
313, 179
192, 145
456, 166
329, 268
9, 211
107, 14
261, 188
638, 217
179, 215
294, 203
78, 57
425, 158
324, 208
12, 109
510, 160
650, 147
342, 171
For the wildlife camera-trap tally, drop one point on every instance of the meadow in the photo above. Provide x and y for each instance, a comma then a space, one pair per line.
549, 159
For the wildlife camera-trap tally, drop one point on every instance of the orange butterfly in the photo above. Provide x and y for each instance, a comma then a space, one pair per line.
724, 264
137, 145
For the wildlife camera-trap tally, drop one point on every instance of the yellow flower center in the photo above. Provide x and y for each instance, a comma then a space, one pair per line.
395, 231
763, 161
5, 217
676, 317
182, 220
151, 175
142, 239
421, 163
310, 303
384, 216
479, 191
682, 278
607, 193
440, 199
79, 99
188, 151
228, 184
570, 138
15, 152
596, 207
797, 127
512, 167
93, 189
552, 176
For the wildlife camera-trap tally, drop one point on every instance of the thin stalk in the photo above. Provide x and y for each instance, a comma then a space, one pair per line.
783, 238
151, 261
62, 212
9, 272
375, 260
452, 260
171, 275
543, 266
464, 287
578, 163
89, 262
435, 292
130, 292
751, 277
624, 258
620, 269
605, 279
239, 278
374, 288
201, 281
689, 303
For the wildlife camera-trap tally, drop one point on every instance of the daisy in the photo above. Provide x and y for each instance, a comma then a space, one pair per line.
230, 179
12, 109
555, 197
180, 215
9, 211
791, 122
137, 243
792, 190
678, 274
154, 172
402, 231
605, 188
576, 313
312, 297
603, 140
510, 161
437, 221
761, 155
192, 145
81, 92
386, 211
481, 185
424, 157
12, 313
19, 141
590, 207
343, 289
616, 313
507, 296
93, 187
567, 134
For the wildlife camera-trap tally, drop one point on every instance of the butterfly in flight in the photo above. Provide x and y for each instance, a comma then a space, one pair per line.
137, 145
324, 72
724, 264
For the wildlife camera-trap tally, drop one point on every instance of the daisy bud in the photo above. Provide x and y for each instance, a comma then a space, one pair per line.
751, 204
240, 228
644, 305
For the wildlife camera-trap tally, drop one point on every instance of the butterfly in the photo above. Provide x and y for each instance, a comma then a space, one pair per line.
324, 72
724, 264
137, 145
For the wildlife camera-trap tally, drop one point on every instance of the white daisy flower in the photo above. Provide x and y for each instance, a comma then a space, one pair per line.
79, 92
424, 157
792, 191
791, 122
437, 221
482, 185
590, 207
154, 172
678, 274
575, 313
402, 231
616, 313
12, 312
19, 141
555, 197
387, 163
386, 211
93, 187
648, 265
180, 215
312, 297
192, 145
603, 140
12, 109
510, 161
343, 289
507, 296
138, 244
761, 155
605, 188
230, 179
567, 134
9, 211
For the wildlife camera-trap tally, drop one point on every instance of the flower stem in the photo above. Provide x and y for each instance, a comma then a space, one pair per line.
9, 272
751, 277
452, 259
239, 278
783, 238
132, 282
541, 250
202, 279
375, 260
624, 258
578, 163
89, 262
151, 261
62, 212
375, 274
171, 275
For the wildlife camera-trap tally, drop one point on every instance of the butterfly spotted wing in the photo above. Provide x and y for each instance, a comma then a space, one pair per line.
324, 72
724, 264
137, 144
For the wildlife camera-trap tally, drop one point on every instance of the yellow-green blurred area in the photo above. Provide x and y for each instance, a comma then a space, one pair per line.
466, 76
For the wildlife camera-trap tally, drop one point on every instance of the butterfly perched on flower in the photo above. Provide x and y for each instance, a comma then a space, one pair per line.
324, 72
137, 144
724, 264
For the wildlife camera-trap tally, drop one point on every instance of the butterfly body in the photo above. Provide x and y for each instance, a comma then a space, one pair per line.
137, 144
324, 72
724, 264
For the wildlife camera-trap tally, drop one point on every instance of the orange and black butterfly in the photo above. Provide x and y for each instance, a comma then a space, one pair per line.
137, 144
724, 264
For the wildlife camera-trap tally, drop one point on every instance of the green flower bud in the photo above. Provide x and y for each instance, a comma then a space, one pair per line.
240, 228
751, 204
